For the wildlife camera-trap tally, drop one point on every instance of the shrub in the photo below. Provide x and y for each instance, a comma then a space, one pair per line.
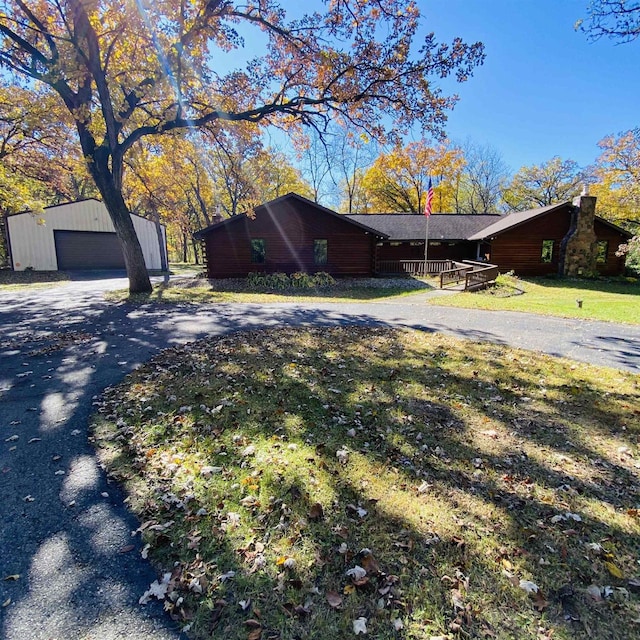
281, 281
323, 279
277, 281
301, 280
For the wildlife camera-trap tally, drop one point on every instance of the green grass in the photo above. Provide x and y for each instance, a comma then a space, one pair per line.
612, 301
12, 280
186, 268
265, 466
190, 291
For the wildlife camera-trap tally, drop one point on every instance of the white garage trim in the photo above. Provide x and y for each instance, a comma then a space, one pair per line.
31, 236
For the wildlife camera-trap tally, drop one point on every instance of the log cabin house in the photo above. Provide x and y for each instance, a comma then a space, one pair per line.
289, 234
292, 234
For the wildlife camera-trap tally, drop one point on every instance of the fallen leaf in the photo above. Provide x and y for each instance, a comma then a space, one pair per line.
334, 599
356, 573
614, 570
253, 624
316, 512
360, 626
594, 592
156, 590
256, 629
528, 586
369, 563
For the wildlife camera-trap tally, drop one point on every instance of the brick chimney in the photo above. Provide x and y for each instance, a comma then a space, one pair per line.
580, 245
217, 217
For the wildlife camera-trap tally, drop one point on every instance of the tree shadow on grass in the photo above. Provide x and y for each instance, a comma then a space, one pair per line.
486, 519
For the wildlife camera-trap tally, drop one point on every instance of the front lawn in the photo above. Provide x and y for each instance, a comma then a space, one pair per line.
613, 301
314, 483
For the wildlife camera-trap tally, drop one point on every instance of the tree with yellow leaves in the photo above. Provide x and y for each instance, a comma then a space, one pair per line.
617, 174
397, 182
132, 69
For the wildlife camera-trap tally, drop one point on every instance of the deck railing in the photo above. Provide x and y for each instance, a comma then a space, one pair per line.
481, 277
412, 267
474, 274
455, 274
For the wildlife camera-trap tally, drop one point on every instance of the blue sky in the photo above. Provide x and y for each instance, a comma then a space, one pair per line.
544, 89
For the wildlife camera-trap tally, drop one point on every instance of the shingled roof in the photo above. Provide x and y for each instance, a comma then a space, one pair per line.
514, 220
273, 205
412, 226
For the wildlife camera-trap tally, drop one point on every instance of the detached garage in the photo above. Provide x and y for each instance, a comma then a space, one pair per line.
78, 236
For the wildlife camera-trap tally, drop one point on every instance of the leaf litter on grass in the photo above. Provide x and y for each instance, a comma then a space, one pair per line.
323, 482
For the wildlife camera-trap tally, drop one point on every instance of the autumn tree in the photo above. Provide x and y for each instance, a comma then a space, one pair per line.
313, 153
130, 69
352, 153
617, 175
38, 167
34, 149
481, 182
540, 185
398, 181
618, 20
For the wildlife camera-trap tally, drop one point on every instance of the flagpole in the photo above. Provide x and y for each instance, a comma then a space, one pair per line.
426, 246
427, 213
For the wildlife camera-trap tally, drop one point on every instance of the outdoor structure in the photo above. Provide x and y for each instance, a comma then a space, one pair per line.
292, 233
78, 236
565, 239
289, 234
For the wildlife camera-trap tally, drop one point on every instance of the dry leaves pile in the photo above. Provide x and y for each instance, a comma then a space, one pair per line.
347, 481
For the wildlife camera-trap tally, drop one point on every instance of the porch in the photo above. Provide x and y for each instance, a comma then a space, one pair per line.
474, 275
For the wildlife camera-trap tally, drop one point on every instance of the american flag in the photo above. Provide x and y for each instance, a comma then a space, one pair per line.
429, 202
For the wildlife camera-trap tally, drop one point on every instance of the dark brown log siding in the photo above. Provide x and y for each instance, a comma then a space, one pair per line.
614, 265
289, 233
520, 249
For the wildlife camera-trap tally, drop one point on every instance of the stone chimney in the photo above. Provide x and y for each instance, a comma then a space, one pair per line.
580, 245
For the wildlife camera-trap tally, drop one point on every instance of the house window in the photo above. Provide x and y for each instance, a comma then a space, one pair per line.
603, 251
320, 251
547, 251
258, 251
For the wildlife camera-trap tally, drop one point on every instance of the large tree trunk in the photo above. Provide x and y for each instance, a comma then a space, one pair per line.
121, 217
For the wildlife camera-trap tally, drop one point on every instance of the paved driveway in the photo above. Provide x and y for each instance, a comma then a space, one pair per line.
64, 528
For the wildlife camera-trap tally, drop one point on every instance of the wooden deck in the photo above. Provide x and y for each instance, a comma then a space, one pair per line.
474, 275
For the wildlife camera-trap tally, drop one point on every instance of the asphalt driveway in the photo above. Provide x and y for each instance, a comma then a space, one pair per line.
67, 570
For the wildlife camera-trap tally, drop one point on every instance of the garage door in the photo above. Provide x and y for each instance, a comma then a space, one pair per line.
87, 250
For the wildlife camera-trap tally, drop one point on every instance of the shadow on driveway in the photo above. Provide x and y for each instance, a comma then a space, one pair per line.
66, 532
